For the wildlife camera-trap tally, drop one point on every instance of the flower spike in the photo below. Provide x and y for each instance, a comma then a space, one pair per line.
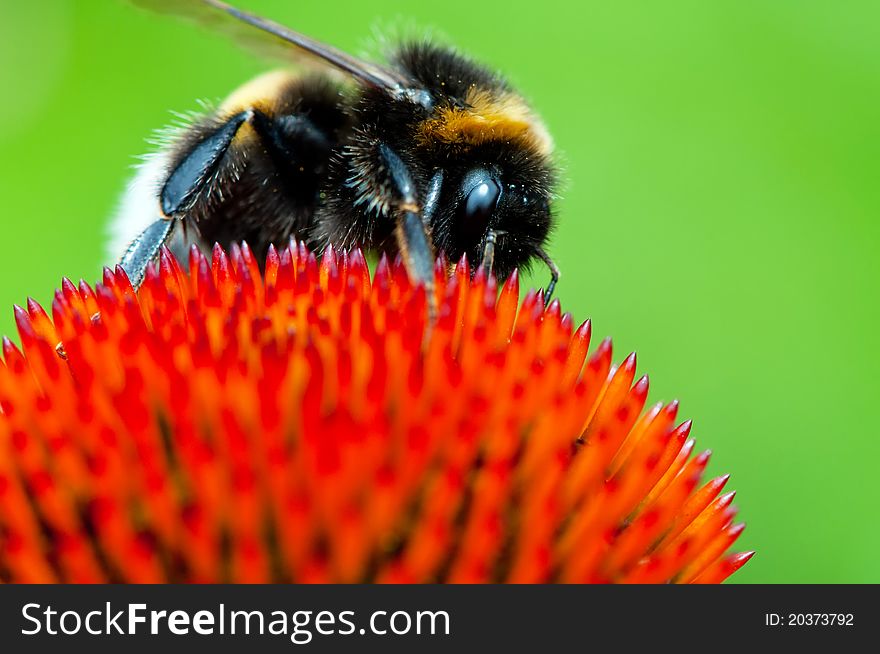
294, 423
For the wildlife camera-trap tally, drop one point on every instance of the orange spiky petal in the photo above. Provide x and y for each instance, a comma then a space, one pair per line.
294, 423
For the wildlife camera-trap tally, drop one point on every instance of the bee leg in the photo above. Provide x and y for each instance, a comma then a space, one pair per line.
194, 173
145, 248
411, 231
189, 186
432, 197
554, 275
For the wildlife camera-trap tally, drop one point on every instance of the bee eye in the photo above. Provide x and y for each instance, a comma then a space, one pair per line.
481, 200
481, 193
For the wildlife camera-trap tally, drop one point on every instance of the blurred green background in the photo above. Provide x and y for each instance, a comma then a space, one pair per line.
720, 214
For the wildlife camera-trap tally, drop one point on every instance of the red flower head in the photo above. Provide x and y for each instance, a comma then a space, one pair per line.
300, 425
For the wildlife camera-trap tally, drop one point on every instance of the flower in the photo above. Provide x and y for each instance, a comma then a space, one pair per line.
305, 424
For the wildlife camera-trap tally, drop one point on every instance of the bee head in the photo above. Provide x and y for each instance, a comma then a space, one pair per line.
511, 202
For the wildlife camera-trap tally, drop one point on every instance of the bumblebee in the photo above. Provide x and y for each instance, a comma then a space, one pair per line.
429, 153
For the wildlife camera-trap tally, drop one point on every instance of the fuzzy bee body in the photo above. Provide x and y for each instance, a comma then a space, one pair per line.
431, 153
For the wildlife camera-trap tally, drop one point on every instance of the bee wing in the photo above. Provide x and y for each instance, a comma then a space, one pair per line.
269, 38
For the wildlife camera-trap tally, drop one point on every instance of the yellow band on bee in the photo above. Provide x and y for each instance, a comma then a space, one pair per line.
488, 117
259, 93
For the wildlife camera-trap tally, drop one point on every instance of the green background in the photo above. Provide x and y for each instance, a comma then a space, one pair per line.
720, 214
